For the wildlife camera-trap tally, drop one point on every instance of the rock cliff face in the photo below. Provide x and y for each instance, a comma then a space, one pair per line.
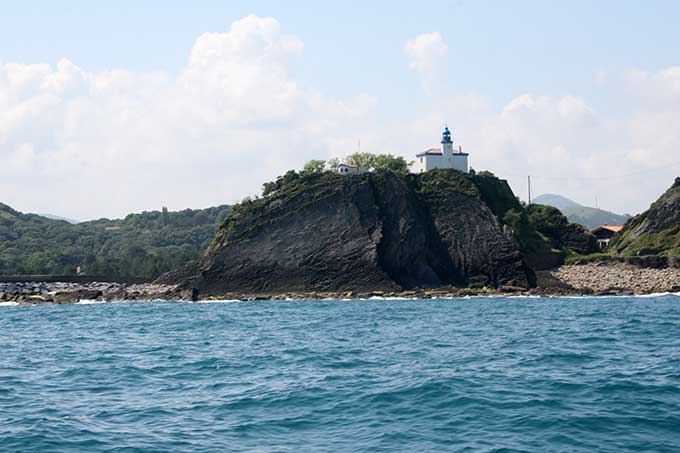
655, 231
372, 231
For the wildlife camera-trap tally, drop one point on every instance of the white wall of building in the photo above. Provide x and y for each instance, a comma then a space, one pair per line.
346, 169
430, 161
460, 162
450, 160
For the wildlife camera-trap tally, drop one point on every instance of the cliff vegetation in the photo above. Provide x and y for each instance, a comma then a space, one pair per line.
655, 231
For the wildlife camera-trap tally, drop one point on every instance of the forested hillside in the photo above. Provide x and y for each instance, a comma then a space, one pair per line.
140, 245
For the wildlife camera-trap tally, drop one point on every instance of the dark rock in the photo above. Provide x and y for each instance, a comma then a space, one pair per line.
511, 289
479, 250
114, 294
68, 297
363, 233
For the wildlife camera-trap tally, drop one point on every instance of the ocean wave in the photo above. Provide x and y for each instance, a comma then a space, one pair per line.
540, 375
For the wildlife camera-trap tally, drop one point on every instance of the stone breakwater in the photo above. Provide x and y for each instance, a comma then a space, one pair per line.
64, 293
617, 276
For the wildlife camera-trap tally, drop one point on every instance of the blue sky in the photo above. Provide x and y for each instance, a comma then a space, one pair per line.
496, 51
499, 48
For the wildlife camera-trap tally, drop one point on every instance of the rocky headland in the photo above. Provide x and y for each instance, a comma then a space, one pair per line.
379, 231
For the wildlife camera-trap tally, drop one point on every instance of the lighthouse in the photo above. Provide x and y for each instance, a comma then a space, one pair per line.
445, 157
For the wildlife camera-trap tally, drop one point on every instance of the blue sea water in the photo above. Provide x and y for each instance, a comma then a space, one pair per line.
477, 374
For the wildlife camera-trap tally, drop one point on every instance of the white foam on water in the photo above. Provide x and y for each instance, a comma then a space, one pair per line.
391, 298
9, 304
90, 302
656, 295
222, 301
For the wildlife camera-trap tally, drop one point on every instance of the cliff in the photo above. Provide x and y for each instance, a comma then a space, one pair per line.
370, 231
655, 231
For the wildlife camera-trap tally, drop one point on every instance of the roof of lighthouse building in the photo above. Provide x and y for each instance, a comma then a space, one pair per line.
446, 135
430, 152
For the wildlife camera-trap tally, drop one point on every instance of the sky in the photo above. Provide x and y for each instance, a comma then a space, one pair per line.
107, 109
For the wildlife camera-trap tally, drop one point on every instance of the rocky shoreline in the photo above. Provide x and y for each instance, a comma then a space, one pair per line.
598, 278
608, 276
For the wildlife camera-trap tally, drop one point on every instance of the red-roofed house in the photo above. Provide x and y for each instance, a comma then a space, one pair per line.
604, 233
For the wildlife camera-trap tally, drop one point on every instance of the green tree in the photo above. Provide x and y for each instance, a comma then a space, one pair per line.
389, 162
314, 166
368, 161
334, 163
365, 161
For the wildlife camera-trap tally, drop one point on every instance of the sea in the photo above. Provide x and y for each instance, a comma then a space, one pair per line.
490, 374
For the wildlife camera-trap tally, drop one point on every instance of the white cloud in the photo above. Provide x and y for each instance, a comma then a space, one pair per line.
427, 53
88, 144
84, 144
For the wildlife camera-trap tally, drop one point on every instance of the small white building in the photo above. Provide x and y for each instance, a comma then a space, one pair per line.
348, 168
446, 157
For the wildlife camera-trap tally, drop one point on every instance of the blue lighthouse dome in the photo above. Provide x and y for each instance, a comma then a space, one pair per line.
446, 136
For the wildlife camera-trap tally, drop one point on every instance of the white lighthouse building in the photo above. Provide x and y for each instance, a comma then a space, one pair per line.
446, 157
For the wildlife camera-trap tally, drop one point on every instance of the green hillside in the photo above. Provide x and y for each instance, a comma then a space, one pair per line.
140, 245
655, 231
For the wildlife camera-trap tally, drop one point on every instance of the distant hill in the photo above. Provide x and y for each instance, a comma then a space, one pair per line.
556, 201
140, 245
584, 215
56, 217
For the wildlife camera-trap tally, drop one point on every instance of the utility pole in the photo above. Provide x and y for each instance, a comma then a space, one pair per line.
529, 187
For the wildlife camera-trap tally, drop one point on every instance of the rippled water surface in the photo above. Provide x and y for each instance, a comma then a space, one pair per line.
480, 374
